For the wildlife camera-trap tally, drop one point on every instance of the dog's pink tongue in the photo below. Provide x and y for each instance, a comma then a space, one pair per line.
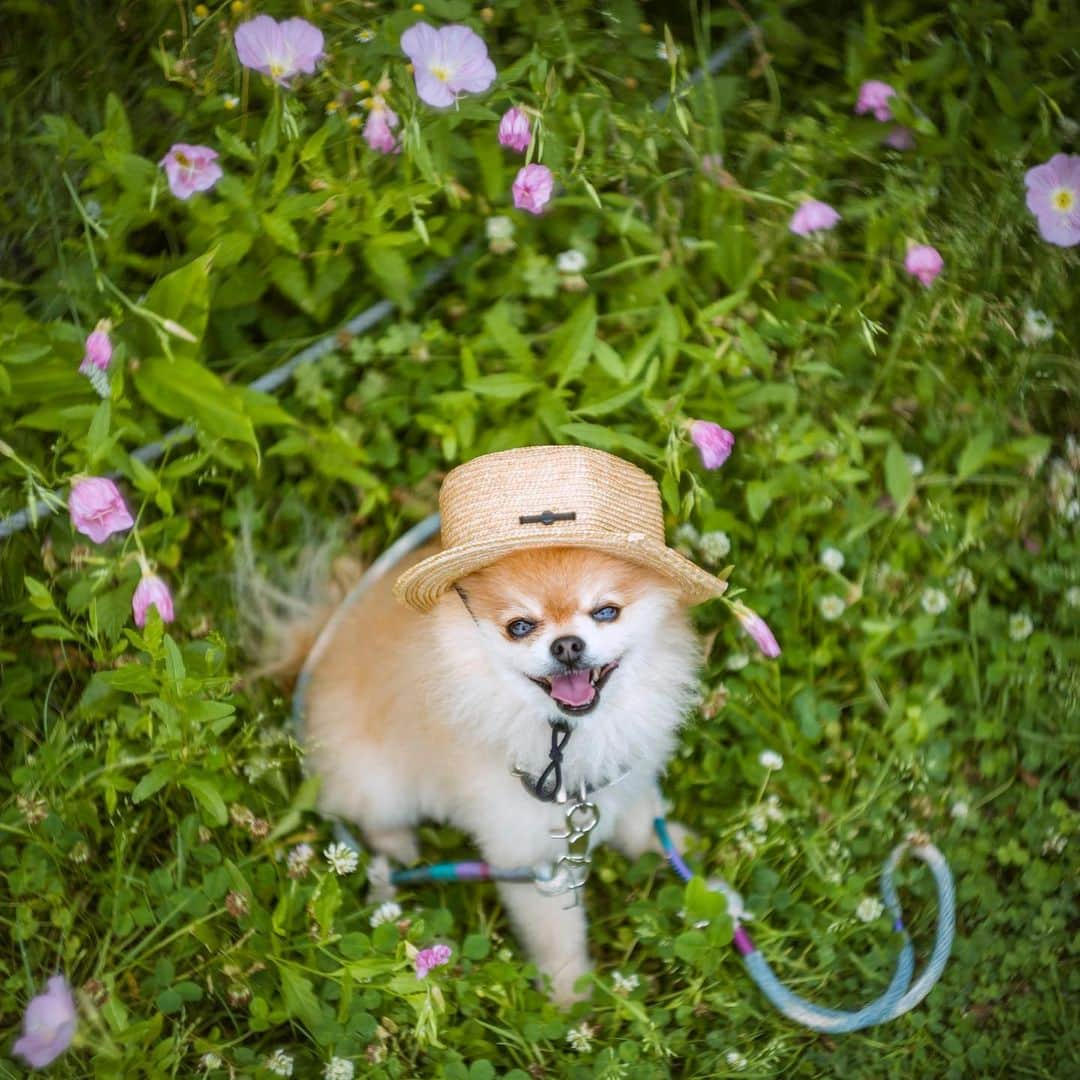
573, 689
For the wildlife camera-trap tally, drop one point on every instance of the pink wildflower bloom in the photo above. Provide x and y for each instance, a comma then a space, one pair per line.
449, 61
1053, 196
532, 188
98, 509
514, 130
874, 97
813, 216
48, 1026
758, 629
900, 138
98, 352
426, 959
378, 131
712, 165
924, 262
280, 50
151, 592
714, 443
190, 169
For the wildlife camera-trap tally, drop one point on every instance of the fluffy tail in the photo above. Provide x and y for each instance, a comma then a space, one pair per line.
281, 617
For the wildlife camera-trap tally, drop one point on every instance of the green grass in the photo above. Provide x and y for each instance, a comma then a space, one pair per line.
136, 761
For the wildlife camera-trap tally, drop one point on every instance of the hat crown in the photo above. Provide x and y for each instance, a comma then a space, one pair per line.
558, 490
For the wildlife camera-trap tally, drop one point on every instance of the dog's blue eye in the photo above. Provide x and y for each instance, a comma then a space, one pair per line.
609, 613
520, 628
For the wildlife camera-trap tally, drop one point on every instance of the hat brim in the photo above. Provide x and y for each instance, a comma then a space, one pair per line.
421, 585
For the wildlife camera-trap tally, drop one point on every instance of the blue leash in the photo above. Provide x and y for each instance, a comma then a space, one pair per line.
901, 995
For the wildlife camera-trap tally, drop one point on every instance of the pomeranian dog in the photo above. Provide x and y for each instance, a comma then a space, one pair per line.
438, 707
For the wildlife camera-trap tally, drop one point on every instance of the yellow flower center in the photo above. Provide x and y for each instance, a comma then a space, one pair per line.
441, 73
276, 70
1063, 199
183, 160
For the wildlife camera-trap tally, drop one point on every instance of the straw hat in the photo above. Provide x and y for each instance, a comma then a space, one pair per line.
545, 497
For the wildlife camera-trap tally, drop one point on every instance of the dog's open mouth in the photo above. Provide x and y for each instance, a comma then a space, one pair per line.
576, 692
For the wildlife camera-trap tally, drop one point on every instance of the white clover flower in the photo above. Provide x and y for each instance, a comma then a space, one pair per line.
915, 464
571, 261
832, 559
773, 810
831, 607
298, 860
342, 859
499, 227
869, 909
745, 844
771, 760
338, 1069
1072, 596
759, 820
93, 211
365, 36
960, 810
209, 1061
280, 1063
737, 661
1072, 444
1054, 844
580, 1038
1072, 510
686, 534
962, 582
624, 984
389, 911
1037, 327
934, 601
1020, 626
735, 1060
715, 545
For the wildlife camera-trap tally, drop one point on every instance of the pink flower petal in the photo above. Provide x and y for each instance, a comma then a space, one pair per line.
924, 262
714, 443
151, 592
532, 188
514, 130
98, 509
812, 216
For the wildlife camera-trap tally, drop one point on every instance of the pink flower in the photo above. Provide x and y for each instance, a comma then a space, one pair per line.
190, 169
532, 188
449, 61
874, 97
426, 959
378, 131
514, 130
757, 628
48, 1026
98, 351
151, 592
924, 262
811, 216
1053, 196
98, 509
714, 443
280, 50
900, 138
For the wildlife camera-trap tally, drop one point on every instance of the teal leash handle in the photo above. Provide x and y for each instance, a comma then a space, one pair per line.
901, 995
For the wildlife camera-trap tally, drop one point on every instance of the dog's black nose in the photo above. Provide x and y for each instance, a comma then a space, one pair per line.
568, 650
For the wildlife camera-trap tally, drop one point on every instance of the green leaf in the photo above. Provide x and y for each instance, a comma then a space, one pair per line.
207, 796
758, 499
975, 454
300, 999
233, 144
603, 438
188, 391
174, 662
182, 296
898, 479
281, 232
154, 781
503, 385
573, 343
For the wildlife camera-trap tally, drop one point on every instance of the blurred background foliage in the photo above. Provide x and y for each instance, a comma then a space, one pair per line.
925, 434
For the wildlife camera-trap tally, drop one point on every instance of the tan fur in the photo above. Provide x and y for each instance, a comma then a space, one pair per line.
411, 716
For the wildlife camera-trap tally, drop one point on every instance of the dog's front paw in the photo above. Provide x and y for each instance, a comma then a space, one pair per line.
564, 994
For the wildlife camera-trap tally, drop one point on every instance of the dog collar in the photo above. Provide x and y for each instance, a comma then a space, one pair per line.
549, 786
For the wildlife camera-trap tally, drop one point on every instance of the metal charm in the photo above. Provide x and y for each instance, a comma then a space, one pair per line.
571, 870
